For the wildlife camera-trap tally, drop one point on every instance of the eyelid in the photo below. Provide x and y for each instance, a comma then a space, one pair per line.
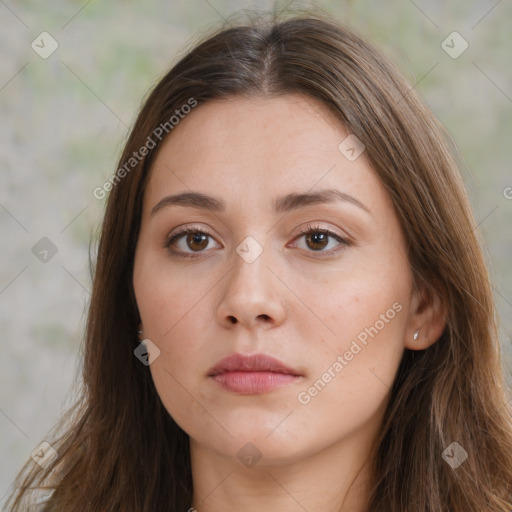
317, 226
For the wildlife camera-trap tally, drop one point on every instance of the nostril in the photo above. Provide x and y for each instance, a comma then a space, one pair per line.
233, 319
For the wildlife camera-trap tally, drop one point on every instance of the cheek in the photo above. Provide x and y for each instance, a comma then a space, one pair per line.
172, 311
177, 323
351, 373
179, 368
168, 299
355, 360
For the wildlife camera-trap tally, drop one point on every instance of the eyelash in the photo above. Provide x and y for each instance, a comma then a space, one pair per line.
304, 231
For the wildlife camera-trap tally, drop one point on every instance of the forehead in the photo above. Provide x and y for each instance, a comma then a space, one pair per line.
259, 147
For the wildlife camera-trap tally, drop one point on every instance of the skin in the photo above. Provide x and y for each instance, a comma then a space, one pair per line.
290, 303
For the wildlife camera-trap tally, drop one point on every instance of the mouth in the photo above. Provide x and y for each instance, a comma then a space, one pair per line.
253, 374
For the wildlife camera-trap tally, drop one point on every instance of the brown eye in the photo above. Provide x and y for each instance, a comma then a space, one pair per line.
197, 241
188, 241
317, 240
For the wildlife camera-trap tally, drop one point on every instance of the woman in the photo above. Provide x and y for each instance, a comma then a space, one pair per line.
289, 237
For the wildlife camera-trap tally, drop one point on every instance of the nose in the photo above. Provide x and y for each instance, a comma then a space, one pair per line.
252, 295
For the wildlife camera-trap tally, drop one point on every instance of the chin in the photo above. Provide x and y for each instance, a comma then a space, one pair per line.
254, 448
257, 439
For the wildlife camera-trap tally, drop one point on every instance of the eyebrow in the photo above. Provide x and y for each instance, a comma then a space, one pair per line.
287, 203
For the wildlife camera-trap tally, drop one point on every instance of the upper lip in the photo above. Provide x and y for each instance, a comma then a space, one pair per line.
251, 363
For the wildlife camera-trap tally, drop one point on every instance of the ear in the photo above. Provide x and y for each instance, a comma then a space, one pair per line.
427, 318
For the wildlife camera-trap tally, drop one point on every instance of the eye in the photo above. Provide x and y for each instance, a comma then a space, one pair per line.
190, 238
317, 239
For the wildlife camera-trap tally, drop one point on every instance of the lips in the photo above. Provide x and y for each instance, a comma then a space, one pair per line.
253, 374
254, 363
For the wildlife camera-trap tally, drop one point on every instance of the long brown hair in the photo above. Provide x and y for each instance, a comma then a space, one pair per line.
121, 450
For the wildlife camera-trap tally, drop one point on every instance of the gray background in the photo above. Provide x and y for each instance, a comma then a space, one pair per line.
65, 118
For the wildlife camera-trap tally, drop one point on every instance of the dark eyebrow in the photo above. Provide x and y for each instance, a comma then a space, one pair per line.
295, 201
283, 204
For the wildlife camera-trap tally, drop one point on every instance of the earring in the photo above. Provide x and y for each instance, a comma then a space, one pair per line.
415, 336
139, 332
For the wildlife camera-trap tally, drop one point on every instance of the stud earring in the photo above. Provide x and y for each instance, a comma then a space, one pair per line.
415, 336
139, 332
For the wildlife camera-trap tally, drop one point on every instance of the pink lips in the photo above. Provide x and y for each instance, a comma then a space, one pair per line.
254, 374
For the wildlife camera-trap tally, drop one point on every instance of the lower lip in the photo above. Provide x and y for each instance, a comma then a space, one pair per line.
251, 383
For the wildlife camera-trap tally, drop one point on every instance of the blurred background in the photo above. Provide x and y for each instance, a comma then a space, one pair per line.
72, 77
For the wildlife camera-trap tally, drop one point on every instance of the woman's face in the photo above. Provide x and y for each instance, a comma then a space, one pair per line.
335, 309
